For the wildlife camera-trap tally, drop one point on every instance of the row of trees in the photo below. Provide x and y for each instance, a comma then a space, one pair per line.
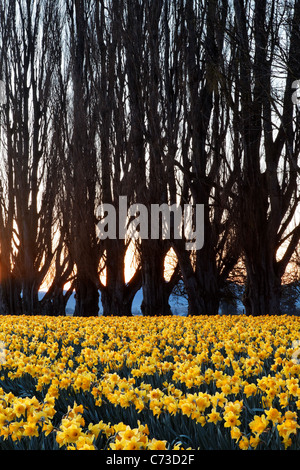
162, 101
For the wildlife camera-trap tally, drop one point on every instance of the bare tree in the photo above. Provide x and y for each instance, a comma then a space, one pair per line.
31, 57
114, 153
266, 36
81, 163
209, 169
147, 50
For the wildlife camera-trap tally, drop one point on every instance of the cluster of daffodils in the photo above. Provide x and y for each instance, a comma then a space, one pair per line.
135, 439
21, 417
150, 383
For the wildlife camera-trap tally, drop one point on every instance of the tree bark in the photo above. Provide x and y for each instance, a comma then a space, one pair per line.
10, 297
115, 304
201, 282
117, 295
155, 289
263, 290
87, 298
30, 299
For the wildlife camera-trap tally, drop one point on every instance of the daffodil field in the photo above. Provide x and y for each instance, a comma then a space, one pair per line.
149, 383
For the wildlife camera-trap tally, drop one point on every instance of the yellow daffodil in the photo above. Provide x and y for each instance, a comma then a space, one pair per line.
244, 443
214, 417
155, 444
235, 433
231, 420
30, 429
273, 415
258, 424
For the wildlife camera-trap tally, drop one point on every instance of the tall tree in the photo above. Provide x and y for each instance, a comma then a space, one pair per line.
208, 168
81, 164
266, 37
31, 57
114, 153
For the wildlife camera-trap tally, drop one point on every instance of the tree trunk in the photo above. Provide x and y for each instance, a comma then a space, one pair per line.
87, 298
156, 290
55, 303
201, 284
3, 303
10, 297
117, 295
30, 299
155, 297
203, 296
263, 289
115, 304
